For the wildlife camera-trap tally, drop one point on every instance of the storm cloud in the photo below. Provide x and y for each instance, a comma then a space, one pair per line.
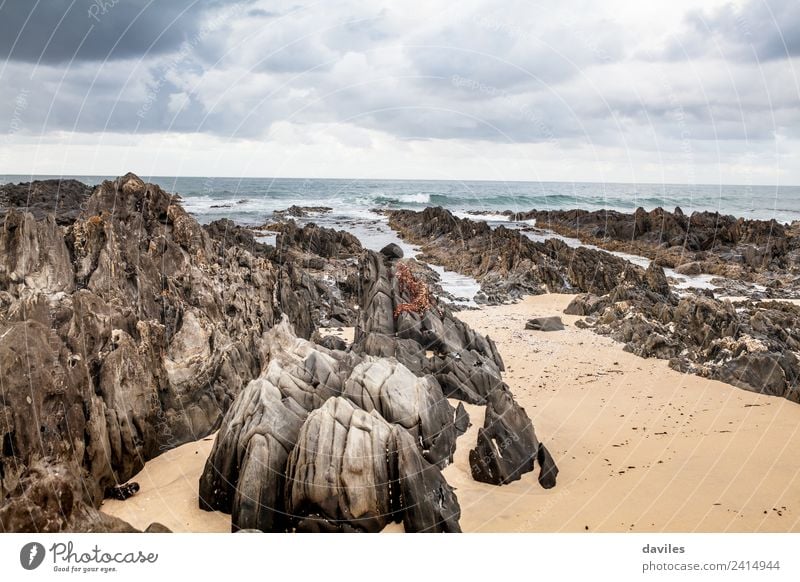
719, 82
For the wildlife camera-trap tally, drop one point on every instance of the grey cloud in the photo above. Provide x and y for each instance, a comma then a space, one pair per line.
761, 30
55, 31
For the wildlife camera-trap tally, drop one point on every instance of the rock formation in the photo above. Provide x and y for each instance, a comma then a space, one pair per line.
760, 251
752, 345
126, 329
332, 440
506, 263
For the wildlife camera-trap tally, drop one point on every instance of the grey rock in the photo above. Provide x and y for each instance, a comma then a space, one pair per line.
552, 323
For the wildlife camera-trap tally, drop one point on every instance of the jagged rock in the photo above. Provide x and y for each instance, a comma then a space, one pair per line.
552, 323
507, 263
142, 328
392, 251
245, 473
656, 280
228, 233
705, 242
586, 304
300, 211
416, 404
62, 199
48, 499
323, 242
462, 422
333, 342
507, 445
340, 476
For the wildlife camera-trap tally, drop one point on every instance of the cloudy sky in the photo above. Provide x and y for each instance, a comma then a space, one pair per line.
652, 91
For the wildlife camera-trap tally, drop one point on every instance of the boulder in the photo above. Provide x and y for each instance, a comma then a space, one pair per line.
552, 323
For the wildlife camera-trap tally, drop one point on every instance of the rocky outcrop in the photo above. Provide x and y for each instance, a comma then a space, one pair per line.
416, 404
353, 471
753, 345
466, 364
765, 252
48, 499
507, 263
333, 440
63, 200
272, 465
127, 331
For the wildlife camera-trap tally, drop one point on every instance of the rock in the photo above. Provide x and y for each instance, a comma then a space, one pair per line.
691, 269
392, 251
705, 242
340, 476
416, 404
123, 492
300, 211
462, 422
507, 445
547, 468
62, 199
142, 327
333, 342
49, 499
586, 304
552, 323
507, 263
656, 280
157, 528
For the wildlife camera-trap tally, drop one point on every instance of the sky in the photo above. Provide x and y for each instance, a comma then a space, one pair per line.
568, 90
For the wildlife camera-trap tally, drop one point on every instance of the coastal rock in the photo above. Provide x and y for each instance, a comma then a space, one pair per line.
142, 327
507, 263
552, 323
752, 345
756, 251
300, 211
61, 199
340, 476
416, 404
507, 446
48, 499
392, 251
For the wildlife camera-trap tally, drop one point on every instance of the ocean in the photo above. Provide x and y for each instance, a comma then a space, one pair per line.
250, 200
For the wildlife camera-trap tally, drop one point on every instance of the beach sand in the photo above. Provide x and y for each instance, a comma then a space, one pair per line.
640, 447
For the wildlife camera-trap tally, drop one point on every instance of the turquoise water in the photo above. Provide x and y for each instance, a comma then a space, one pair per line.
250, 200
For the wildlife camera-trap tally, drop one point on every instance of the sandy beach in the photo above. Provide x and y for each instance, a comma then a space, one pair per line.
640, 446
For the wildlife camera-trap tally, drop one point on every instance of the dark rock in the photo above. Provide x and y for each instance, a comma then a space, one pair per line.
48, 498
507, 445
392, 251
340, 476
507, 263
141, 325
123, 492
157, 528
656, 280
547, 468
552, 323
462, 422
333, 342
300, 211
61, 199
